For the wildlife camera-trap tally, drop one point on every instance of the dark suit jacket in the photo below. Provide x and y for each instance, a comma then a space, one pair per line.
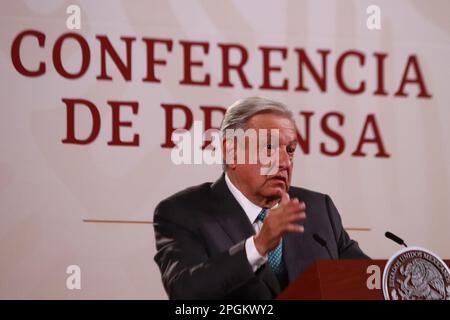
200, 240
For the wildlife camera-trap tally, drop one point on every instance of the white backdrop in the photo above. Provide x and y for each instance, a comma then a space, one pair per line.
47, 188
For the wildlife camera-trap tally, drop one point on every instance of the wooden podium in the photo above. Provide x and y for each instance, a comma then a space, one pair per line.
336, 280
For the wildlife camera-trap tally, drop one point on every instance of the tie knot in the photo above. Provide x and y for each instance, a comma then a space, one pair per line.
262, 215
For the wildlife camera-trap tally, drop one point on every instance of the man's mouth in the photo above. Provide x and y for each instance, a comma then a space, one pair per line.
279, 178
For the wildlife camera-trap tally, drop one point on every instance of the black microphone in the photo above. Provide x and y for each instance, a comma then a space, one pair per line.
323, 243
394, 238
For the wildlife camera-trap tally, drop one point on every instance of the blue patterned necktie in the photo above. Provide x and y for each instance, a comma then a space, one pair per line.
275, 257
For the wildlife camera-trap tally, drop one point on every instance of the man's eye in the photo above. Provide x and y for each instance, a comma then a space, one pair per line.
291, 149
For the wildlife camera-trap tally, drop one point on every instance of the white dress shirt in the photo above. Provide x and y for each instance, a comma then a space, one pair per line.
252, 211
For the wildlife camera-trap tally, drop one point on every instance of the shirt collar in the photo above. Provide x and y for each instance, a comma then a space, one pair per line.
251, 209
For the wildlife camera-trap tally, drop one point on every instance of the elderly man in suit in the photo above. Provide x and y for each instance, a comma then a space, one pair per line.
247, 235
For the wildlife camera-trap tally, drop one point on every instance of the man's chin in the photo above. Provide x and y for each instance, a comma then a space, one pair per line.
275, 192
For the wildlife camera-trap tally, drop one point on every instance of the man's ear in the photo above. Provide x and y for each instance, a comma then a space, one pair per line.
229, 152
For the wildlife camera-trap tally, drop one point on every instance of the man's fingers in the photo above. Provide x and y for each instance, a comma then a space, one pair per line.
285, 198
297, 216
294, 206
294, 228
300, 204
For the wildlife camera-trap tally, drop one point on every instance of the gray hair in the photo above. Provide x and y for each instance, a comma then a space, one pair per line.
238, 114
241, 111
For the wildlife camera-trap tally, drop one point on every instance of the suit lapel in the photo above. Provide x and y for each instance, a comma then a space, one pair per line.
234, 221
292, 252
229, 214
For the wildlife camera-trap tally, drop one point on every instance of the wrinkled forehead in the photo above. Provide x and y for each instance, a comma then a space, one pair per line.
268, 121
